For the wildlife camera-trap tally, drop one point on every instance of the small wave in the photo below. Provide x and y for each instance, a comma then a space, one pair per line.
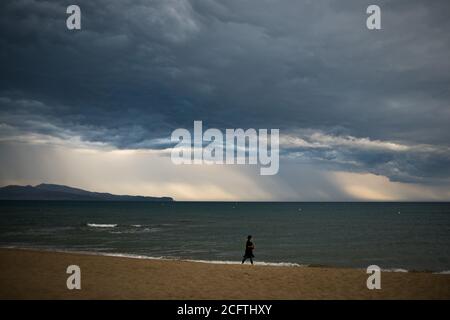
100, 225
133, 231
442, 272
258, 263
132, 256
394, 270
137, 225
166, 258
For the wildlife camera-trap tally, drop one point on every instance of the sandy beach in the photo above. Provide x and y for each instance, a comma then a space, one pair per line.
27, 274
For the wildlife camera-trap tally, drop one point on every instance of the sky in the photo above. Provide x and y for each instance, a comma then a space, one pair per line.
363, 114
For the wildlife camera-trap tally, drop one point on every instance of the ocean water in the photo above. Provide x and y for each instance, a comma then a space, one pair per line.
409, 236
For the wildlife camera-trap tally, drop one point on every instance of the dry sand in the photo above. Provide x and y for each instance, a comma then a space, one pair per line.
26, 274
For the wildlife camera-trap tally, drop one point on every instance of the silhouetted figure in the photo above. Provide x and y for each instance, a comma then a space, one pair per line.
249, 247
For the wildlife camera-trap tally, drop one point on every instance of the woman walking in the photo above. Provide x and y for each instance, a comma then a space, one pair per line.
249, 247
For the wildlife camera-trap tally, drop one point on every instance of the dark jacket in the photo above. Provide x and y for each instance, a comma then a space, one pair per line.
249, 249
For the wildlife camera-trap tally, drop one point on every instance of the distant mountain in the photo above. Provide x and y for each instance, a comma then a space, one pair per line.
59, 192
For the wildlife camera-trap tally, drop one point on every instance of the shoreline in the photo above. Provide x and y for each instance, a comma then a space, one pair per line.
218, 262
162, 258
37, 274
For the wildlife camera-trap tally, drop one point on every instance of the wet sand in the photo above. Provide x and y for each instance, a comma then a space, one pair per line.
27, 274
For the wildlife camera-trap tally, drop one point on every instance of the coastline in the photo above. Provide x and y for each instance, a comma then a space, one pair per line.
163, 258
41, 274
221, 262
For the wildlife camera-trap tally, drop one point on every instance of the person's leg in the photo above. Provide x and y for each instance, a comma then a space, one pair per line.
243, 260
251, 260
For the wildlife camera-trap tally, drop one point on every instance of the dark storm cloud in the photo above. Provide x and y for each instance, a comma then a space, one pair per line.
404, 163
139, 69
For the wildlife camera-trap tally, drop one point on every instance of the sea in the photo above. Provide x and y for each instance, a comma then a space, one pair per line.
396, 236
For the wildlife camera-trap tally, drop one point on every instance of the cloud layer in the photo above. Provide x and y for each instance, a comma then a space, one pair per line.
345, 99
